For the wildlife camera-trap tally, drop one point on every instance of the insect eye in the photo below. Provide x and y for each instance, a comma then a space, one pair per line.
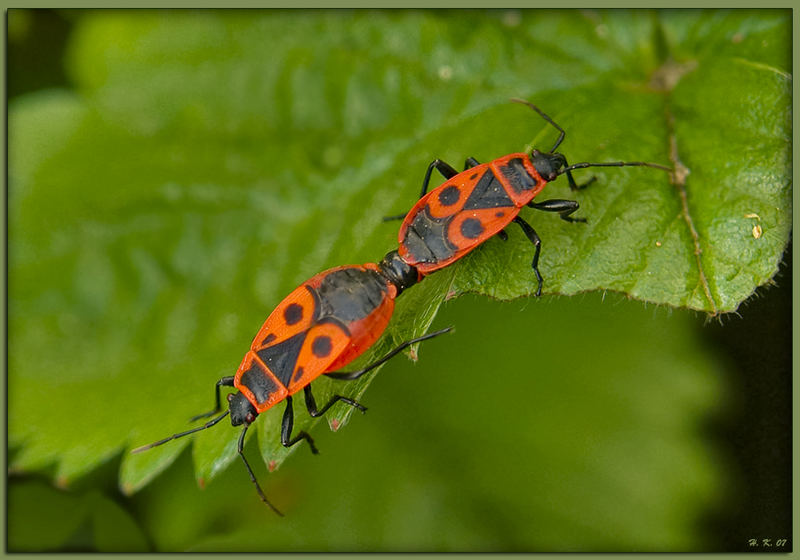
250, 418
230, 397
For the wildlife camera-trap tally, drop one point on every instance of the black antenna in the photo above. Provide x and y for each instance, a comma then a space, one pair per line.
545, 117
584, 165
181, 434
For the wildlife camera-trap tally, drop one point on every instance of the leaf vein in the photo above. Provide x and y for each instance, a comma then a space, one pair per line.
762, 66
678, 179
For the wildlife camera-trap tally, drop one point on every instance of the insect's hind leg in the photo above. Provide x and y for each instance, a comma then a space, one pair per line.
447, 171
442, 167
311, 403
351, 375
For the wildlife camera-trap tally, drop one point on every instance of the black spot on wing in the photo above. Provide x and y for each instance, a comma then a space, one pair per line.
471, 228
449, 195
488, 193
293, 313
281, 358
321, 346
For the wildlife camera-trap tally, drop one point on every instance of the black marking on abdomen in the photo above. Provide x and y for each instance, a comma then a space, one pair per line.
426, 238
518, 176
259, 383
488, 193
282, 357
351, 294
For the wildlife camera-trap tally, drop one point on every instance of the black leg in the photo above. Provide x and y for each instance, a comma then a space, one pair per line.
470, 162
534, 238
442, 167
575, 186
224, 382
502, 235
286, 429
350, 375
563, 207
311, 404
250, 472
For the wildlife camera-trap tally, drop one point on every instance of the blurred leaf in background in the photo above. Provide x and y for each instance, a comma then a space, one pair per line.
204, 163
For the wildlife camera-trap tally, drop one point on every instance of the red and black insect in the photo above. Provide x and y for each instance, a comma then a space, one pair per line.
478, 203
323, 325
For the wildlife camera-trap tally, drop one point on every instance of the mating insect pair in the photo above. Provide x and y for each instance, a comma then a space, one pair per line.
334, 317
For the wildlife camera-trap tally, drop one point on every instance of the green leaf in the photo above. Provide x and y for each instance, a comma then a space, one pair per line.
114, 530
46, 519
37, 506
579, 424
210, 162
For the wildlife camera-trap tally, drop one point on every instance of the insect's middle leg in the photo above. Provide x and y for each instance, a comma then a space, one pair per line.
286, 429
531, 234
572, 184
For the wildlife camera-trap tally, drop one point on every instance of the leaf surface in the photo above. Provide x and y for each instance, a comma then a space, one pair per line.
209, 163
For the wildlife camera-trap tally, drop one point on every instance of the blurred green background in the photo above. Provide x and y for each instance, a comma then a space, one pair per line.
170, 182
